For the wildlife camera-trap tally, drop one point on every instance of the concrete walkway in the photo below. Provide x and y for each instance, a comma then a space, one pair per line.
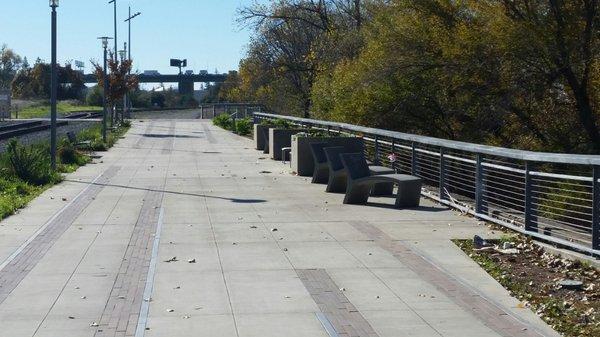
183, 229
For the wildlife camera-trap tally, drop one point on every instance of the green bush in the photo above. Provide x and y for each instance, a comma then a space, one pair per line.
69, 155
277, 123
30, 163
94, 136
224, 121
94, 96
243, 126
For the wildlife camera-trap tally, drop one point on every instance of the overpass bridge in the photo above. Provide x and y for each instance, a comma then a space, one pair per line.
184, 81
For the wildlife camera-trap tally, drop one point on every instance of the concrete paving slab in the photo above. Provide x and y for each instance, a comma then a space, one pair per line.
189, 190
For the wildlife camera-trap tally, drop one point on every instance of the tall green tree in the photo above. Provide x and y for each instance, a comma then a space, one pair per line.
10, 63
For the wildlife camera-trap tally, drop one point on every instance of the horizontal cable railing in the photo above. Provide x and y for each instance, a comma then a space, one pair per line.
550, 196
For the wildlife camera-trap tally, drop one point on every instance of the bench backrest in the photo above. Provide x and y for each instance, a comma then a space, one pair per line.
318, 152
356, 164
71, 137
333, 157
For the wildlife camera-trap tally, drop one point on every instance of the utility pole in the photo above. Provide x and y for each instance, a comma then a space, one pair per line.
105, 77
123, 55
53, 85
128, 20
114, 2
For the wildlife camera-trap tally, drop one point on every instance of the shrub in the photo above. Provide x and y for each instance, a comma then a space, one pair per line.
68, 154
94, 96
30, 163
243, 126
224, 121
277, 123
140, 99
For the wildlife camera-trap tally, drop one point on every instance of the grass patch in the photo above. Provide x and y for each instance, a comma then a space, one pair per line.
25, 169
42, 109
532, 276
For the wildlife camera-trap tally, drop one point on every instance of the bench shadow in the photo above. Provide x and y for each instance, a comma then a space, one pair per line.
419, 208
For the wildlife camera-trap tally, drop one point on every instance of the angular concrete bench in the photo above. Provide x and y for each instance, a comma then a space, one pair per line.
265, 132
321, 171
360, 182
303, 162
338, 174
259, 136
279, 139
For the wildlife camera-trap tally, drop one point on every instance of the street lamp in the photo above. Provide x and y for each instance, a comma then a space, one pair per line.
53, 87
105, 80
123, 53
114, 2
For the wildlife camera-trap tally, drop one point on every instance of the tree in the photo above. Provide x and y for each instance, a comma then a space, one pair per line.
294, 41
10, 63
34, 82
119, 81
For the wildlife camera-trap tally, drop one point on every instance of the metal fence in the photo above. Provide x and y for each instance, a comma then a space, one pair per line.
241, 110
551, 196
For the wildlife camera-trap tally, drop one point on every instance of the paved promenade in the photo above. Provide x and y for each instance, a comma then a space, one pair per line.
184, 229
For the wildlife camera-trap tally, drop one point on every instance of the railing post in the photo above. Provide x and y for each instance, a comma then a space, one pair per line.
530, 212
596, 208
413, 160
479, 185
442, 181
393, 164
376, 159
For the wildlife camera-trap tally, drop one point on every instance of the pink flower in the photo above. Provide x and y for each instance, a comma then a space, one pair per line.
392, 157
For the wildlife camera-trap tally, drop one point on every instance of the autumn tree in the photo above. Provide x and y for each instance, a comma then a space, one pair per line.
120, 81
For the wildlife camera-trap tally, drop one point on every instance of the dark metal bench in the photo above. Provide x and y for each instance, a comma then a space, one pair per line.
338, 174
73, 140
361, 182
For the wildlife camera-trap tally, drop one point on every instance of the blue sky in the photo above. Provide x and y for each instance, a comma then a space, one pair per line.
203, 31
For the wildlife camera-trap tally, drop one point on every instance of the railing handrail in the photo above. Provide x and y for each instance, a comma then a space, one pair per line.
531, 156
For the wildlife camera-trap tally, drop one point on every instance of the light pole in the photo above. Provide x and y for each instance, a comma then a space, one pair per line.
53, 87
123, 54
128, 20
114, 2
105, 81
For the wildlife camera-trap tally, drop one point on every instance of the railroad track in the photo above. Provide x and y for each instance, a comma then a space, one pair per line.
25, 128
22, 129
84, 115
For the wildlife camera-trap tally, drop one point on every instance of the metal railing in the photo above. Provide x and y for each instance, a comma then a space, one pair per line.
550, 196
241, 110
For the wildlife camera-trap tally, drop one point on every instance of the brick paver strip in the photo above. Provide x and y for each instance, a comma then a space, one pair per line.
485, 309
122, 310
345, 318
27, 258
